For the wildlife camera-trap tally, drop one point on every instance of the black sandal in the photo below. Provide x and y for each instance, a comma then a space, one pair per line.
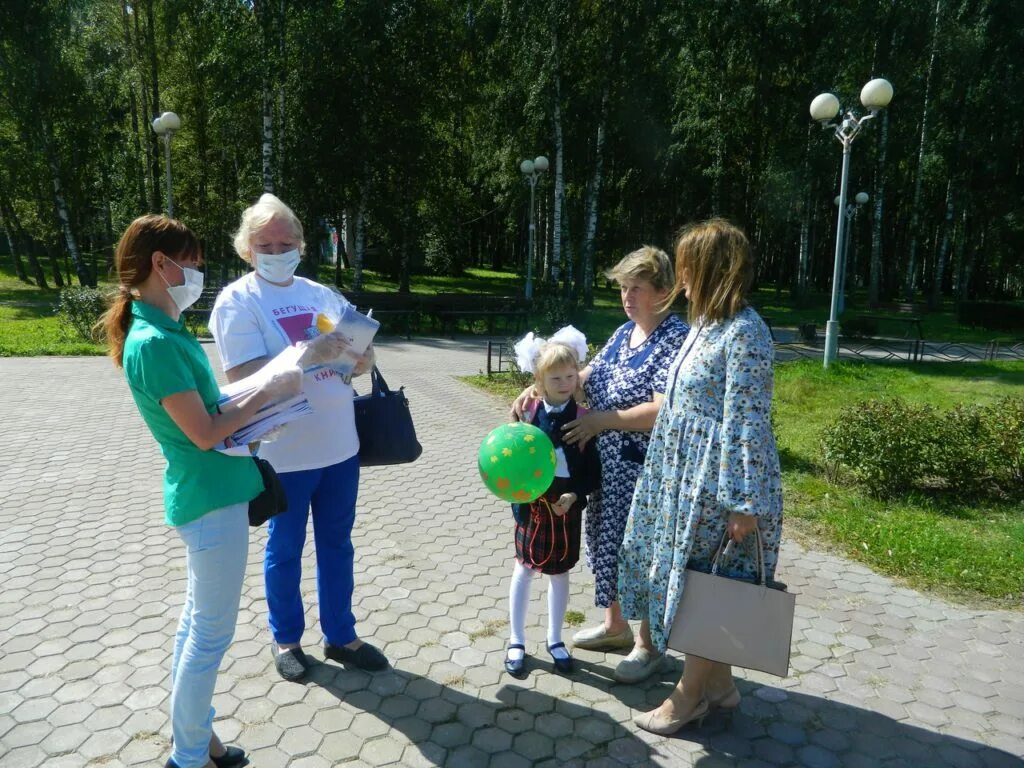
516, 667
565, 666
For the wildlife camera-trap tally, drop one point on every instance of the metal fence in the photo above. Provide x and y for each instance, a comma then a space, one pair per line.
500, 358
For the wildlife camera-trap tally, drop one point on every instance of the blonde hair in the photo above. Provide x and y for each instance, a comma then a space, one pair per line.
646, 263
257, 216
552, 355
716, 255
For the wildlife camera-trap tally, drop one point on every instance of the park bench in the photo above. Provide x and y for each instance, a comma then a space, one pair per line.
451, 308
403, 311
911, 323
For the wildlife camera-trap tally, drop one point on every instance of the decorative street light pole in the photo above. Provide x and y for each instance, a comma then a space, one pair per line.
165, 126
532, 169
851, 212
875, 96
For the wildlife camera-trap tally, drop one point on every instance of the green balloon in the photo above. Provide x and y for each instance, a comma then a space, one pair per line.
517, 462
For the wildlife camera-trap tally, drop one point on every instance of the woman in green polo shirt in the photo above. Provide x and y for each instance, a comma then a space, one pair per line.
206, 493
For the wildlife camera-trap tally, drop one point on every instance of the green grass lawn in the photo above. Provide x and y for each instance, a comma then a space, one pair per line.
973, 552
29, 332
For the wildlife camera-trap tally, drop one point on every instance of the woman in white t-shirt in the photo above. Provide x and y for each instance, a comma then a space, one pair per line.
253, 320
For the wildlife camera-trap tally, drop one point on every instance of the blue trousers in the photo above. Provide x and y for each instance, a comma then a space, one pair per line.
331, 493
217, 545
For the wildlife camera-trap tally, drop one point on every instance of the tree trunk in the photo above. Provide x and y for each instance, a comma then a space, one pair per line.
154, 85
138, 163
61, 209
875, 284
910, 280
359, 247
805, 223
559, 204
19, 268
262, 11
22, 239
108, 227
281, 69
151, 177
964, 268
593, 199
51, 254
268, 138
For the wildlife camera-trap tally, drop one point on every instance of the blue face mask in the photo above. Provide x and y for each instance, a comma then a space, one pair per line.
277, 267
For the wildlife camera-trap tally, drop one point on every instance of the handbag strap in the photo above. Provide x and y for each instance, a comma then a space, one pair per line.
727, 542
380, 387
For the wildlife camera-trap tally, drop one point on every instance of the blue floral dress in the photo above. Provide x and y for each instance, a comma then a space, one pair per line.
712, 452
621, 377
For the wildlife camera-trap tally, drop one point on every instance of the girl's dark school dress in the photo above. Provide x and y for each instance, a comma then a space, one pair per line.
545, 542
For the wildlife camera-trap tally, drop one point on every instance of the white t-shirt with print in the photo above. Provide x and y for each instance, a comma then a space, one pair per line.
253, 318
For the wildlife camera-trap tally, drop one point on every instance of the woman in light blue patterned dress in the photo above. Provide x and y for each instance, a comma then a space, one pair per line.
712, 467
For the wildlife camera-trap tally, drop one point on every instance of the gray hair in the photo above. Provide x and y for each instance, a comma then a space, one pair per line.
257, 216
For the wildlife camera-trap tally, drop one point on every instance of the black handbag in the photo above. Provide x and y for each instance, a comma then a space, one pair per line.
272, 499
384, 424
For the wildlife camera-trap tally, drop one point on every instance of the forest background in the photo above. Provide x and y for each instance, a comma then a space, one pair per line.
404, 124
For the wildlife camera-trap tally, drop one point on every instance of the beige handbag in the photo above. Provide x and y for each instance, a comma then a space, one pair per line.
733, 621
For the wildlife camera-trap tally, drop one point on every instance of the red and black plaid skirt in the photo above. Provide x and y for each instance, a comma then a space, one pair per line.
548, 543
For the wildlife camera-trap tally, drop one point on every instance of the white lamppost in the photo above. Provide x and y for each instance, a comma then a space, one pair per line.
165, 126
851, 212
875, 96
532, 169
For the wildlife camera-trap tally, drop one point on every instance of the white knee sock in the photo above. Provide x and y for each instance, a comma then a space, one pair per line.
518, 602
558, 603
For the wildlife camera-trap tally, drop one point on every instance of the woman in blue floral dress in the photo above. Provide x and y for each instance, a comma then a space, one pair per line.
620, 384
712, 467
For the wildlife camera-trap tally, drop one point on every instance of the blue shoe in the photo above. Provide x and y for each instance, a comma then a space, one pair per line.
565, 666
516, 668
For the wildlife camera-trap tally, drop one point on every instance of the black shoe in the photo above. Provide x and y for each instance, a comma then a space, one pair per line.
291, 665
365, 657
516, 668
233, 757
564, 666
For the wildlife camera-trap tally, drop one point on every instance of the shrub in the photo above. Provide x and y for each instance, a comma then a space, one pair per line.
859, 327
882, 443
960, 451
1004, 423
889, 446
79, 310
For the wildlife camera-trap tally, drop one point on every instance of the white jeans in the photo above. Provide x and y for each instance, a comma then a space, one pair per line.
217, 545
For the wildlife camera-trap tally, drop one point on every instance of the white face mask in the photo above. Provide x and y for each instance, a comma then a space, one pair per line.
185, 295
277, 267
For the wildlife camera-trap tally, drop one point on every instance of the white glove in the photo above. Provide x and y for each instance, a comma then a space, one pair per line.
365, 363
323, 349
283, 384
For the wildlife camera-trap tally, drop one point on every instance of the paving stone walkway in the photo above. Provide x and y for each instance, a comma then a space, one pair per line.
91, 583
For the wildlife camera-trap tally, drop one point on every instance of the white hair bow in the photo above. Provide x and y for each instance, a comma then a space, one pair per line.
529, 347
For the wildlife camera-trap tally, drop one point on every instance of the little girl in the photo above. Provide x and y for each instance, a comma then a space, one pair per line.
548, 529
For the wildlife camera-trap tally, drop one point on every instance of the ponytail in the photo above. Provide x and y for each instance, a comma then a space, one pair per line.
114, 323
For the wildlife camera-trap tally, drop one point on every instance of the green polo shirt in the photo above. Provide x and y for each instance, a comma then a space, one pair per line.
162, 358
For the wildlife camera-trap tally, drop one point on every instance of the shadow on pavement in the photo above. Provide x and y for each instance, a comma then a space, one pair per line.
448, 726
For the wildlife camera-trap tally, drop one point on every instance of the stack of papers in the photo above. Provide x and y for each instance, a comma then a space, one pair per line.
269, 417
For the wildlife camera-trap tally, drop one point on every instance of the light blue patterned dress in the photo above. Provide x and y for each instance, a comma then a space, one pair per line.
712, 452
